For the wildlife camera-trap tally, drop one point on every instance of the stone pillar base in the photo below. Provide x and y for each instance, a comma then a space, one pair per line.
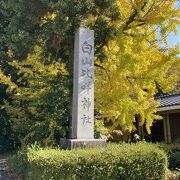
82, 143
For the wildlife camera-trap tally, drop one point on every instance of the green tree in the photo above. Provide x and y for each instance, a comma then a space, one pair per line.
39, 100
50, 26
129, 59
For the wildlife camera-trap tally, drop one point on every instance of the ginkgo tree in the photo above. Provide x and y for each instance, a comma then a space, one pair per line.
136, 64
132, 59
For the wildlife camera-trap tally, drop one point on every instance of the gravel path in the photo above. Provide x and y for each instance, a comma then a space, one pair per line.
3, 168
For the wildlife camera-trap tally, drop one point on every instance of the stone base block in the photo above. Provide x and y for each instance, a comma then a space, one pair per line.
82, 143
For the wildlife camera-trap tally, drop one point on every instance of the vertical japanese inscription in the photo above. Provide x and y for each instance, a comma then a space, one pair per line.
83, 87
86, 76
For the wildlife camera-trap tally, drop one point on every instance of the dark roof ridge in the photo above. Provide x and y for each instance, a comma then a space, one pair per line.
167, 95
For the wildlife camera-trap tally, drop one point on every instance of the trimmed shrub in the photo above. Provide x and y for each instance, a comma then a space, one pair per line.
126, 161
174, 159
173, 152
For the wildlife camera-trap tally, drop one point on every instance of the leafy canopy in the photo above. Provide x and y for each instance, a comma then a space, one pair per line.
36, 49
136, 64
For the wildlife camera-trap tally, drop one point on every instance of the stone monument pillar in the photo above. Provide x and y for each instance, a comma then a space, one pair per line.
83, 85
82, 132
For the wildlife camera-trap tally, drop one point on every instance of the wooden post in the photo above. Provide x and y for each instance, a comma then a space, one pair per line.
165, 128
168, 129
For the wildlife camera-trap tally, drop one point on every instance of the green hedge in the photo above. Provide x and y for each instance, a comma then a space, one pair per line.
139, 161
174, 159
173, 152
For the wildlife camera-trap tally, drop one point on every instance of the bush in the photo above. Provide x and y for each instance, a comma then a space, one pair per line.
174, 159
126, 161
7, 137
173, 152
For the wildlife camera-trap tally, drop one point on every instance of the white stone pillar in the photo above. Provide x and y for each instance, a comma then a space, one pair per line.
82, 130
83, 85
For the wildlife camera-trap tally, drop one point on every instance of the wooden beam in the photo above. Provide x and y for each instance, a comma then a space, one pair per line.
168, 108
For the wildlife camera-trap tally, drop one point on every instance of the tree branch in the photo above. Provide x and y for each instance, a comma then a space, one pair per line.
133, 17
99, 66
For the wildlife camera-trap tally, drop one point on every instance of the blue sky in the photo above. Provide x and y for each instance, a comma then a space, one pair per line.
173, 40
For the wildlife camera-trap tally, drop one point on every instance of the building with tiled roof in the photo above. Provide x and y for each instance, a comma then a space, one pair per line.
168, 129
169, 102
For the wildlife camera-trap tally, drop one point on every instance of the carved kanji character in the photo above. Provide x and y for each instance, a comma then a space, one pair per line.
86, 48
85, 72
86, 61
86, 119
86, 103
86, 86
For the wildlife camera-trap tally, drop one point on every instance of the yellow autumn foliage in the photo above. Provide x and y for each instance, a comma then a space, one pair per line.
126, 82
